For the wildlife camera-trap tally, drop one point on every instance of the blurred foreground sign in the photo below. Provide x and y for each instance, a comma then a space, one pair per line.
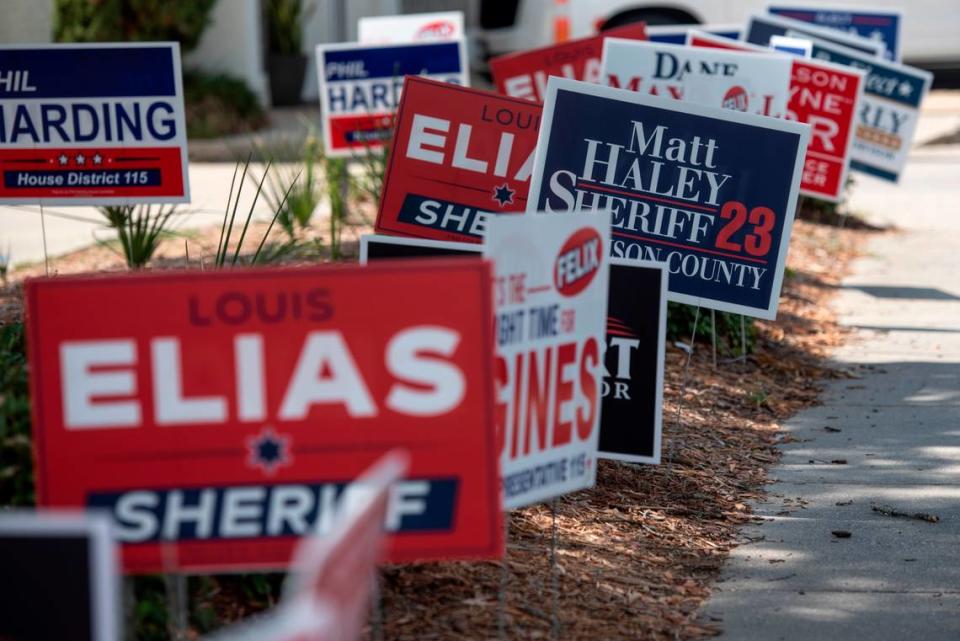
551, 301
227, 412
524, 74
92, 124
459, 155
60, 577
331, 580
360, 86
712, 192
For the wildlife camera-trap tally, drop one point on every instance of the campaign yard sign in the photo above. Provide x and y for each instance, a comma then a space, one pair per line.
459, 155
227, 414
92, 124
889, 111
360, 86
60, 577
550, 290
632, 387
755, 83
632, 418
882, 25
761, 28
827, 97
677, 34
414, 27
711, 192
524, 74
331, 581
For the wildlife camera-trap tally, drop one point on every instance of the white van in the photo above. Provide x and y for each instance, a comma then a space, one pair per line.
930, 31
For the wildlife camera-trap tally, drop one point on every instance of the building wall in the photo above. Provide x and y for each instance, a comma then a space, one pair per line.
232, 44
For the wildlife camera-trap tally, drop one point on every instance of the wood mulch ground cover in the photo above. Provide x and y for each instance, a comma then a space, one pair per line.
636, 555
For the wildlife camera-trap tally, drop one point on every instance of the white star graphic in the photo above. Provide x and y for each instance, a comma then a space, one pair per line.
63, 159
81, 159
905, 89
97, 159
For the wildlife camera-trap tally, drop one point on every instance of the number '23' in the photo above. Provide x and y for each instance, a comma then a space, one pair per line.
756, 243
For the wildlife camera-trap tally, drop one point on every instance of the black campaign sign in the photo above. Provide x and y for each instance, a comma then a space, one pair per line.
630, 421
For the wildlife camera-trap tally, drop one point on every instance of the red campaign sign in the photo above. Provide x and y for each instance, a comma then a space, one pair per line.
229, 411
824, 96
524, 74
458, 156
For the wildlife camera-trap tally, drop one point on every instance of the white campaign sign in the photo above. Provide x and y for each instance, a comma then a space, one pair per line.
750, 82
550, 290
414, 27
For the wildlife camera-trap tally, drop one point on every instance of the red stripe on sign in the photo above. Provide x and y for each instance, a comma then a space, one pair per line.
360, 132
91, 172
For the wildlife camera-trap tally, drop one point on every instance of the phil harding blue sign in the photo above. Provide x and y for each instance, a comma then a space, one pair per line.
92, 124
711, 192
360, 87
883, 26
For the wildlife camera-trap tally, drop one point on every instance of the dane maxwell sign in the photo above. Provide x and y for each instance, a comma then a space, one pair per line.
524, 74
226, 412
458, 156
360, 87
888, 115
710, 191
826, 97
92, 124
551, 301
755, 83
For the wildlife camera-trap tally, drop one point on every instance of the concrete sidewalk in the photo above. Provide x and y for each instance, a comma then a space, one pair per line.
897, 428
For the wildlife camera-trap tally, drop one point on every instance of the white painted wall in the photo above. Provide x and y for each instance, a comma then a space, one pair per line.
233, 43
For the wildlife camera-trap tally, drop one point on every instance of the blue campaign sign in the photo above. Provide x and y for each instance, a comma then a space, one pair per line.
360, 87
888, 112
709, 191
761, 28
677, 34
880, 25
92, 124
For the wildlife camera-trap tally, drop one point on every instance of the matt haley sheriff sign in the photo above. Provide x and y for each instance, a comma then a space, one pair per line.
710, 191
94, 124
227, 414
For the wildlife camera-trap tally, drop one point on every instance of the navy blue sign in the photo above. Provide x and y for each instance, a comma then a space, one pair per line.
709, 191
883, 26
761, 28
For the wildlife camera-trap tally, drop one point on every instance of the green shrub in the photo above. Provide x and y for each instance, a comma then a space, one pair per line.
285, 26
218, 105
16, 464
182, 21
680, 319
